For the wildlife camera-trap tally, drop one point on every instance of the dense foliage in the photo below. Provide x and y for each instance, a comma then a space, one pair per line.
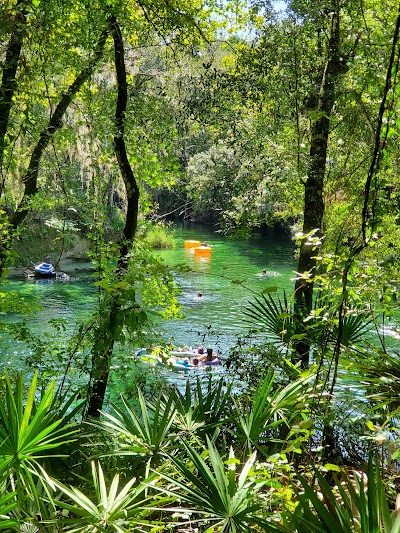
115, 116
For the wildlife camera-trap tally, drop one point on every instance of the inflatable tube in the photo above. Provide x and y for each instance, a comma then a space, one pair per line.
151, 359
213, 362
181, 365
147, 357
175, 353
191, 244
203, 250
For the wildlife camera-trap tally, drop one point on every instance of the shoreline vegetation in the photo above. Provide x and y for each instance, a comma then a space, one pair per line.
36, 242
203, 459
264, 447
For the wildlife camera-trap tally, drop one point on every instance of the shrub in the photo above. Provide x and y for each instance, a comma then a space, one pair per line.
160, 236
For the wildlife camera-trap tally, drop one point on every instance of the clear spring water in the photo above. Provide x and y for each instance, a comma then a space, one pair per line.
227, 281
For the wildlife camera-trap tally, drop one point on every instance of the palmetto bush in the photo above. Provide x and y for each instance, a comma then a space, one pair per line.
201, 411
357, 504
258, 415
34, 428
106, 507
276, 318
147, 435
8, 506
380, 377
217, 494
143, 437
178, 469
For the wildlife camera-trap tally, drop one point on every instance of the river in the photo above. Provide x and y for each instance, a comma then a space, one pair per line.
227, 280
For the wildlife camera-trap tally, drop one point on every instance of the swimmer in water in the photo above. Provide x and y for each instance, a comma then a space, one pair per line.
208, 357
269, 273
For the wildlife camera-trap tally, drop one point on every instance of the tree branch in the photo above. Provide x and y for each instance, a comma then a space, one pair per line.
131, 186
55, 123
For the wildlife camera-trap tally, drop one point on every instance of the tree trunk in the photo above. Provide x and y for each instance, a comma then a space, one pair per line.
314, 185
9, 77
329, 440
106, 332
7, 90
55, 123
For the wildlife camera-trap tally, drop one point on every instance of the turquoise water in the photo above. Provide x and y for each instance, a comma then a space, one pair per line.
227, 280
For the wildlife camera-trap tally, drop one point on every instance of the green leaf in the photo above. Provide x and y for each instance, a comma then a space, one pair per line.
316, 115
298, 337
269, 289
332, 467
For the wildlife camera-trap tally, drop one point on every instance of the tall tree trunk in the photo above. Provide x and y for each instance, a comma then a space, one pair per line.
55, 123
105, 335
329, 441
9, 77
314, 185
7, 90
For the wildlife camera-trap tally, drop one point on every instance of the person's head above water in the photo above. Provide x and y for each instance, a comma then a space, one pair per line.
209, 354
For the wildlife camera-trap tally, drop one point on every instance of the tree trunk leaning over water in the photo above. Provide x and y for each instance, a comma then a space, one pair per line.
55, 123
105, 335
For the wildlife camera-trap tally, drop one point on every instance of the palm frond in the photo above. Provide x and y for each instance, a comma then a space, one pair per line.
30, 431
358, 503
147, 434
200, 411
225, 499
355, 327
267, 408
112, 507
